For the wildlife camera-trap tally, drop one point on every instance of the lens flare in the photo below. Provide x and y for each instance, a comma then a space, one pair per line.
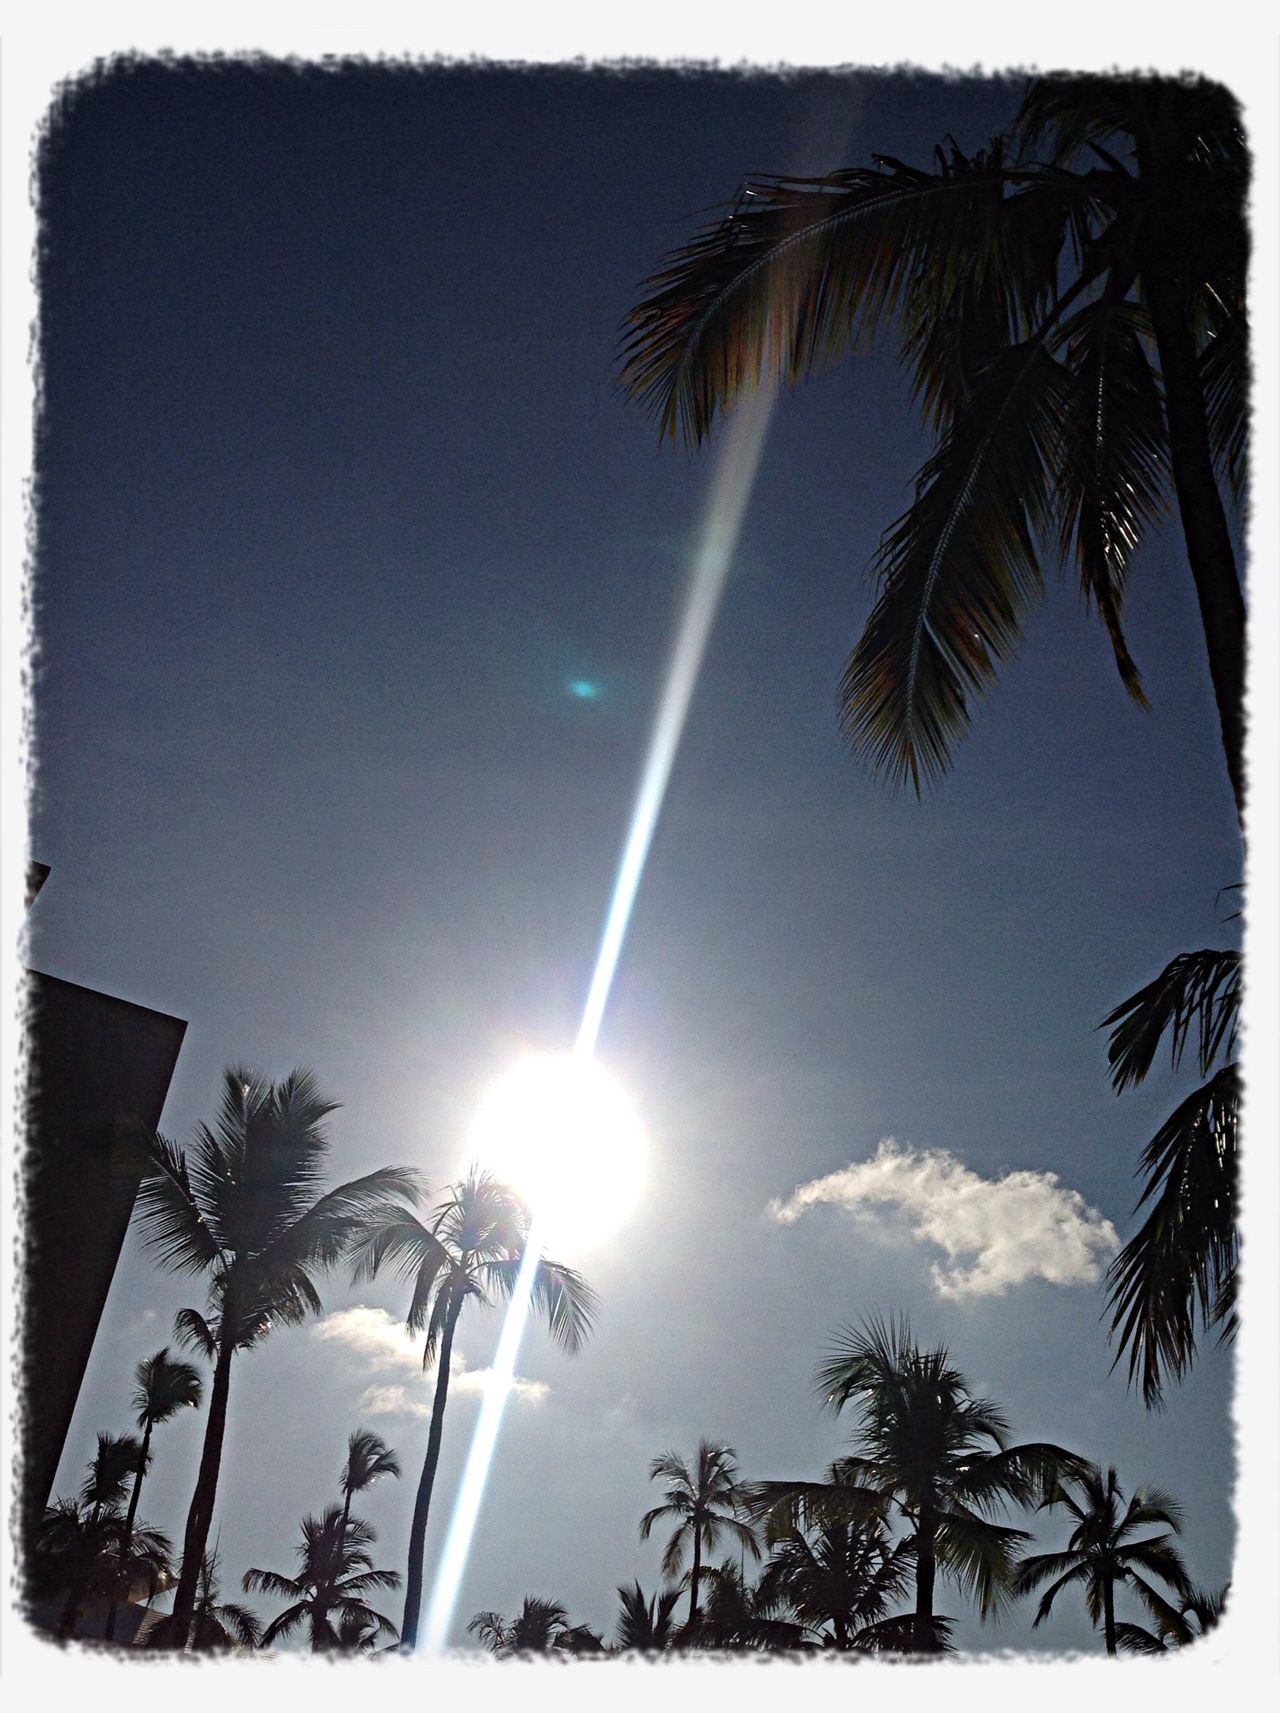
731, 488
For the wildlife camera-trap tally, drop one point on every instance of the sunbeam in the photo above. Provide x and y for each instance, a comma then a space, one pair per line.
731, 485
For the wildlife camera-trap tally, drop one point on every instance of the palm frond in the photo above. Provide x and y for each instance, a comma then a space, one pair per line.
1185, 1254
560, 1295
794, 273
1197, 991
1113, 456
980, 1556
173, 1221
958, 571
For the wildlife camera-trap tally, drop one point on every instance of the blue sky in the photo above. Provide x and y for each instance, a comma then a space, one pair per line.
338, 502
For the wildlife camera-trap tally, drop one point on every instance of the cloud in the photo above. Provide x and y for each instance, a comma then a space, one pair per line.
995, 1232
385, 1345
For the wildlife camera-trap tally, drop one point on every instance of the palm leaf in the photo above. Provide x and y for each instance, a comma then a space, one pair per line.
1113, 456
1197, 996
958, 570
1186, 1251
560, 1295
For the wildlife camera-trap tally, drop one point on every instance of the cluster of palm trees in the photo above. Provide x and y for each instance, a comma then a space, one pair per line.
854, 1559
245, 1207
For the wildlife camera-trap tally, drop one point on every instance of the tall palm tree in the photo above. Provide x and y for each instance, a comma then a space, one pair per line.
162, 1387
1184, 1257
648, 1626
708, 1499
244, 1206
1071, 302
80, 1546
469, 1250
335, 1573
220, 1625
840, 1577
536, 1628
927, 1447
1103, 1553
369, 1458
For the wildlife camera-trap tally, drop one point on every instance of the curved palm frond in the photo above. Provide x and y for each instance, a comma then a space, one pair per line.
1197, 991
1113, 456
560, 1295
1185, 1254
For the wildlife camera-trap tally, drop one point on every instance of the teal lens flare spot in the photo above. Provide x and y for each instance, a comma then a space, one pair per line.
583, 689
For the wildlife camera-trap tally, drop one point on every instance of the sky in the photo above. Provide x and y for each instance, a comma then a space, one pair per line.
338, 502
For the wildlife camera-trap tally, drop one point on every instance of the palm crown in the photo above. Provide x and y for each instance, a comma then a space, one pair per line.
1071, 303
335, 1573
706, 1498
1105, 1551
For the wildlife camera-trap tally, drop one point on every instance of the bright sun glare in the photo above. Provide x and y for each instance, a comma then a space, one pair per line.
562, 1133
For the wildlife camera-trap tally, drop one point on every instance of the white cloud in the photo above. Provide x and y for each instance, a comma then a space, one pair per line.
373, 1334
386, 1347
995, 1232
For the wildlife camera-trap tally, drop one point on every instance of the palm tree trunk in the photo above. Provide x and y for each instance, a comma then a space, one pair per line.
109, 1630
200, 1516
1204, 521
1109, 1613
924, 1638
694, 1574
422, 1505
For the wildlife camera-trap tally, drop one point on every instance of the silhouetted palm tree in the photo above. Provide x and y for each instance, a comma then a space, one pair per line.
535, 1629
1071, 301
162, 1387
369, 1458
1103, 1553
737, 1615
840, 1578
707, 1498
80, 1545
335, 1573
219, 1624
647, 1626
470, 1249
243, 1205
931, 1449
1183, 1258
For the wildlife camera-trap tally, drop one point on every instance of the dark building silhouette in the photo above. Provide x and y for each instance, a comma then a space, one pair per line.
95, 1063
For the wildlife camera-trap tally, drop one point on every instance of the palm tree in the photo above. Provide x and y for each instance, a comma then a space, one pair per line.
738, 1615
162, 1387
369, 1457
1176, 1626
708, 1499
1071, 303
220, 1625
536, 1628
648, 1626
840, 1578
470, 1248
243, 1206
1102, 1553
335, 1573
927, 1446
80, 1545
1185, 1254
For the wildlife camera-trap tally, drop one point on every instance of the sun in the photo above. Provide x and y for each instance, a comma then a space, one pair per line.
563, 1134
